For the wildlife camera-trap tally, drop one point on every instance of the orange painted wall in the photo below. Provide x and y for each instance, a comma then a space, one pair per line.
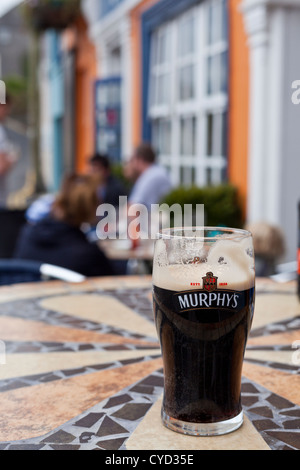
238, 101
86, 71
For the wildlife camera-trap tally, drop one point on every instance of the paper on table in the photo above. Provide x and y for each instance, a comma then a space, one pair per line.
151, 434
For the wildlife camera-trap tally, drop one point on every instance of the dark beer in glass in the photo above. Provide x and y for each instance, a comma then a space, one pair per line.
203, 300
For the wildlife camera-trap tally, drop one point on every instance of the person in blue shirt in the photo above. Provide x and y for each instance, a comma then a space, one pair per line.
152, 181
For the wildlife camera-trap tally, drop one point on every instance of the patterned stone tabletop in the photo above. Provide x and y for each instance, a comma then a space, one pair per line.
80, 369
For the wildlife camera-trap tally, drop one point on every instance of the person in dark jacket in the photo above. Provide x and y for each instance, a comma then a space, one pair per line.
110, 188
58, 239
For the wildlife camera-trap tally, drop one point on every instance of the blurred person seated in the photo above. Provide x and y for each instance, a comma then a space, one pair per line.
129, 172
151, 184
58, 239
152, 181
269, 246
8, 152
40, 208
110, 188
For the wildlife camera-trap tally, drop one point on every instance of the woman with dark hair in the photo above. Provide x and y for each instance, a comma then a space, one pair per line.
58, 239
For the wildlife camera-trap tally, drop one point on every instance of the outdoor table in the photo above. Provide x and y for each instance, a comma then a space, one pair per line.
81, 369
122, 249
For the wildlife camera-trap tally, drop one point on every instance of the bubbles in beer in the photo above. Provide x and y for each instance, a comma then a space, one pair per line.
231, 260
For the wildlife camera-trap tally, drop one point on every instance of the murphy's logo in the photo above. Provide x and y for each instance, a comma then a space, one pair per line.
209, 282
208, 297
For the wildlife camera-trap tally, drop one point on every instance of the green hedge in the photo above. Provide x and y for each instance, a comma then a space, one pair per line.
221, 203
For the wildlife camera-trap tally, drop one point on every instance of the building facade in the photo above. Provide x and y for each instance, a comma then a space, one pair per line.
67, 74
272, 28
168, 65
209, 84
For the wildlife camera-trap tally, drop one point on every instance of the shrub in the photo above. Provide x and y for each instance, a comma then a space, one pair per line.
221, 203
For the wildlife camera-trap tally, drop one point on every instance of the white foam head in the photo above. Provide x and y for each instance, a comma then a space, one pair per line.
231, 260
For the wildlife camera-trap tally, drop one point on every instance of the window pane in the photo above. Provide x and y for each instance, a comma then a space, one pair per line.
224, 72
186, 36
209, 23
187, 175
160, 67
213, 26
218, 134
208, 176
152, 90
114, 93
163, 84
213, 74
209, 134
186, 83
160, 84
154, 49
188, 136
102, 96
163, 47
176, 92
217, 73
160, 89
224, 135
216, 21
161, 136
224, 25
216, 125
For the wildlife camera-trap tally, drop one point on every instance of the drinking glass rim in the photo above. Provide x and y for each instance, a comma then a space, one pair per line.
232, 233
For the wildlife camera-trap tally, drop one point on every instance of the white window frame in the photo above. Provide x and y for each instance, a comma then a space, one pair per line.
200, 106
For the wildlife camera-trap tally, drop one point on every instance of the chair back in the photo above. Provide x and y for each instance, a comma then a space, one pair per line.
11, 223
15, 271
19, 271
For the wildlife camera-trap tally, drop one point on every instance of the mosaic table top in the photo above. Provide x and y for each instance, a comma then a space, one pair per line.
80, 369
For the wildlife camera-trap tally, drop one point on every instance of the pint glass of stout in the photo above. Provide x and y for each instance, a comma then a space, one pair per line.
203, 298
